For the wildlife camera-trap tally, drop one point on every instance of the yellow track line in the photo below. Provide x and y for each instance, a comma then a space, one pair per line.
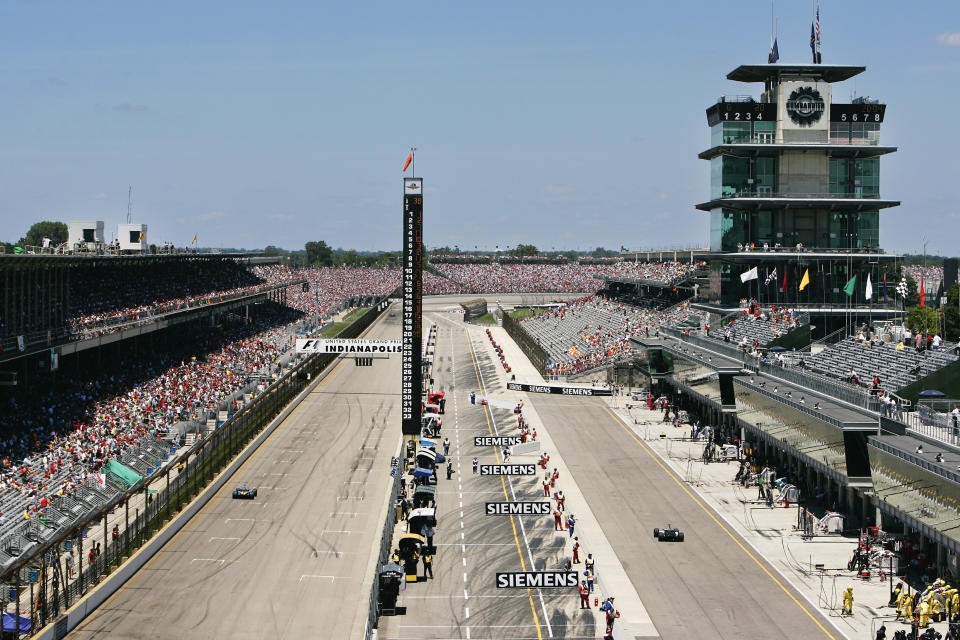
706, 510
503, 483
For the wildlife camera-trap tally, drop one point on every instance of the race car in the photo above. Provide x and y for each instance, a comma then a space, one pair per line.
668, 535
243, 492
437, 398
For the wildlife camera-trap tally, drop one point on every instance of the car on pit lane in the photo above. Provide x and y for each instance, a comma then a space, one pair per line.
668, 535
244, 492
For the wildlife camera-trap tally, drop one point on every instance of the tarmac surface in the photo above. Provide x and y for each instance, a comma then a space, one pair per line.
462, 600
292, 562
714, 585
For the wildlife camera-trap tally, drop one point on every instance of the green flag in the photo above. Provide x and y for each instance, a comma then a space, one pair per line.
18, 250
851, 286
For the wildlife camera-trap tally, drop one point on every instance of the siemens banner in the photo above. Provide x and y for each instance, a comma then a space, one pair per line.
412, 294
558, 390
538, 579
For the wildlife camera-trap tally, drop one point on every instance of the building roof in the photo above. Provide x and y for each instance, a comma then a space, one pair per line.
747, 150
761, 72
796, 202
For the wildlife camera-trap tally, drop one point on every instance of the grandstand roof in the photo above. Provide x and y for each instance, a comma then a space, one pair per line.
46, 260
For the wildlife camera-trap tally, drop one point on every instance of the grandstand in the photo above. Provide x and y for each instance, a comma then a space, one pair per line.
49, 301
756, 326
896, 368
594, 331
92, 421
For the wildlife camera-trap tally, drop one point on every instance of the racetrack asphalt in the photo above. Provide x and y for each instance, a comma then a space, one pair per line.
712, 585
290, 563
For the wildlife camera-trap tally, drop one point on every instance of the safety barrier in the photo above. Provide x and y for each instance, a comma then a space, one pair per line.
46, 570
534, 352
386, 539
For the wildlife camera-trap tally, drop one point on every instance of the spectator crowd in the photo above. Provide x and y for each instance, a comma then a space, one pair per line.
594, 331
554, 278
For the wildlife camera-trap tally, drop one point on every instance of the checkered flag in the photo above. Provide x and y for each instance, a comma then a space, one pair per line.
770, 277
902, 288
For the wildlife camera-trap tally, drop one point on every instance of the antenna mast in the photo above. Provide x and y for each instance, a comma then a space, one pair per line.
130, 205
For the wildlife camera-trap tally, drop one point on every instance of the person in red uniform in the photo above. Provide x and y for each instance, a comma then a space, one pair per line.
546, 488
557, 521
584, 595
560, 500
576, 550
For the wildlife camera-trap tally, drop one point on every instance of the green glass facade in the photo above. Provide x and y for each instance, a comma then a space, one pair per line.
855, 178
742, 133
732, 229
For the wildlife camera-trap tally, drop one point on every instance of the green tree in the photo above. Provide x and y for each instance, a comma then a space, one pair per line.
923, 319
56, 231
600, 252
319, 254
271, 250
522, 250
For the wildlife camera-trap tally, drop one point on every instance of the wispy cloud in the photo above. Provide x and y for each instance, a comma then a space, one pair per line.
282, 217
127, 107
99, 196
553, 188
213, 215
949, 39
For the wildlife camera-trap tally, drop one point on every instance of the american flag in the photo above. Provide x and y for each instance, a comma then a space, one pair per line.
817, 53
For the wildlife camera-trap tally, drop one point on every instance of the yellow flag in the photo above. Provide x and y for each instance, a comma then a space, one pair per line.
194, 239
805, 280
142, 235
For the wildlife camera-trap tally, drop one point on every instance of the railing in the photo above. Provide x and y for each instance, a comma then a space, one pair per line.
731, 193
802, 378
723, 99
932, 424
806, 249
823, 385
831, 338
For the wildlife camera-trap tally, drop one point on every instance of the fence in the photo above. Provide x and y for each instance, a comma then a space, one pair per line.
534, 352
386, 539
54, 584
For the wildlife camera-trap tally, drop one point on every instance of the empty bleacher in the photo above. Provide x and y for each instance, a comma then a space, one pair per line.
896, 369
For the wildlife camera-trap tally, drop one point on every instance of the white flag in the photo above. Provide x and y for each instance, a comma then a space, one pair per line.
749, 275
869, 293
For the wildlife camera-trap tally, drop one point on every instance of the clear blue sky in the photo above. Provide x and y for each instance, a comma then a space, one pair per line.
559, 124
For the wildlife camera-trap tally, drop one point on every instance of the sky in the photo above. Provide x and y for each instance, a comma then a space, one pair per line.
561, 124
